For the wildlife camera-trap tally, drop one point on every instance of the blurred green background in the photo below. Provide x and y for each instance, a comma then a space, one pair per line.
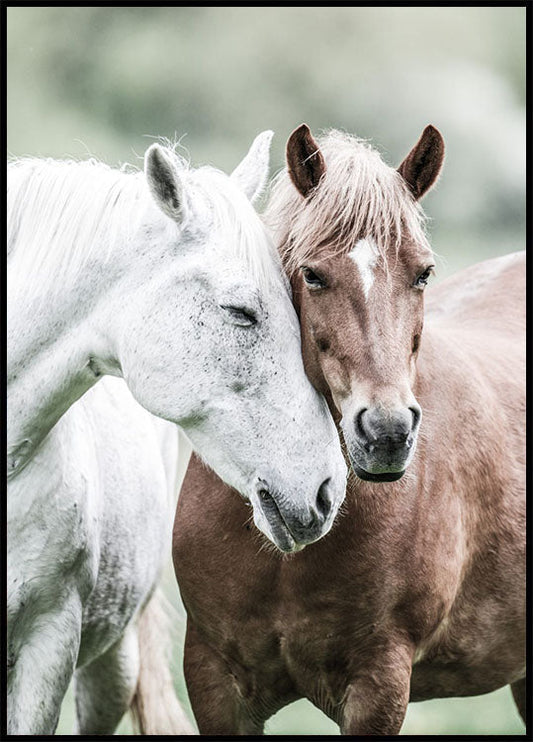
106, 81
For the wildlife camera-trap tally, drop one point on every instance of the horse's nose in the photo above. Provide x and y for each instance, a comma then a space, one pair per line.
304, 522
386, 430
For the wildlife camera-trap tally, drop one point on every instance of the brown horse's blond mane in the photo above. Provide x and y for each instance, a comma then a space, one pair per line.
358, 196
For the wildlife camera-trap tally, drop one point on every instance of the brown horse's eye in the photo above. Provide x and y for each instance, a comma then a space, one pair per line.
423, 278
312, 279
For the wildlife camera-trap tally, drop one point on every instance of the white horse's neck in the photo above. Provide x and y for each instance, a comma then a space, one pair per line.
53, 349
69, 226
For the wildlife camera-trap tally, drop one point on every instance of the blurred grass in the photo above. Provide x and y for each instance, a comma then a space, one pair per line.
491, 714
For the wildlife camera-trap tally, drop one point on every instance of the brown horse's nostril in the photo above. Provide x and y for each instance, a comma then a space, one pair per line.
359, 426
417, 414
377, 428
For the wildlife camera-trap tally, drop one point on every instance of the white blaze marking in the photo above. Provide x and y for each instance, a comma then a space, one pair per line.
364, 255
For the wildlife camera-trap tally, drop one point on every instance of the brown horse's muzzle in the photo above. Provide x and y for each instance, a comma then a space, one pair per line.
382, 441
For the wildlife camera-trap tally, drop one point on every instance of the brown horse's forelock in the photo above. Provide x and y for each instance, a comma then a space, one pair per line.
374, 202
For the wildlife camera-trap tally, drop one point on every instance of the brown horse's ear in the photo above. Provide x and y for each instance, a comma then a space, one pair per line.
422, 165
305, 162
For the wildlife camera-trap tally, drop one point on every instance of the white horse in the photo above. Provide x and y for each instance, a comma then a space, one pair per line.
168, 280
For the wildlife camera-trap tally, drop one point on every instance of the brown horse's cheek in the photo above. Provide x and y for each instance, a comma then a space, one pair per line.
337, 380
313, 368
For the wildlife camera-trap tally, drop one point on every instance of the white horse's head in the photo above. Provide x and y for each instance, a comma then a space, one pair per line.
209, 339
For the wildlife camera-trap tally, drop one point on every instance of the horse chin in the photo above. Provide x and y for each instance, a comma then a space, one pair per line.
288, 547
282, 539
367, 476
382, 475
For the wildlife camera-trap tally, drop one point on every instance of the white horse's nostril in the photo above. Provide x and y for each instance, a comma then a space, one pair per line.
323, 501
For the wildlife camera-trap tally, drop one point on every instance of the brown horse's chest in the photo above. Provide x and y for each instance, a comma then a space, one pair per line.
281, 626
290, 647
309, 642
305, 625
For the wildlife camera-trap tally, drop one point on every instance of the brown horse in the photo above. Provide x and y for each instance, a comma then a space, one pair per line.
418, 591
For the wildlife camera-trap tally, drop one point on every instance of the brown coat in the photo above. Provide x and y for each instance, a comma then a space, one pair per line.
418, 591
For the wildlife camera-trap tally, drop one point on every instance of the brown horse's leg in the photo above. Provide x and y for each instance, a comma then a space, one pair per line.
376, 700
519, 695
214, 698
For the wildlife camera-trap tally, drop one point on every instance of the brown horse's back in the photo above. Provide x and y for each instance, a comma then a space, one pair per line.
490, 293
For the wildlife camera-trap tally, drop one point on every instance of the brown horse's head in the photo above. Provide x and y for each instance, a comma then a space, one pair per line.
351, 235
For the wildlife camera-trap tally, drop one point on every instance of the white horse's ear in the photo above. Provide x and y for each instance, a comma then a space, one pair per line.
252, 173
164, 182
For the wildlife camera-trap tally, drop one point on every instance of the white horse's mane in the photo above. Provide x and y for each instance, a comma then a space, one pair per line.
60, 212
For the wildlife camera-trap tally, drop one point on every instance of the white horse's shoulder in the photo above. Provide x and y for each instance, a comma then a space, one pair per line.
52, 551
79, 507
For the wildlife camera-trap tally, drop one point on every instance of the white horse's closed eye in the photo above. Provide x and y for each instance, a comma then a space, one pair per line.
167, 279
